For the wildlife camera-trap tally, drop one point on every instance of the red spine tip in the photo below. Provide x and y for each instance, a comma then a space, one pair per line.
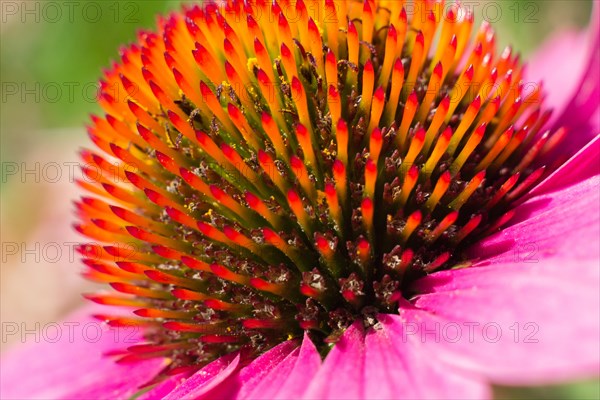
301, 130
392, 33
264, 158
376, 134
268, 234
445, 103
262, 77
446, 177
420, 38
438, 70
447, 134
363, 246
251, 199
333, 93
413, 99
266, 118
285, 51
420, 135
403, 16
367, 205
453, 42
296, 85
469, 72
217, 192
352, 29
330, 190
312, 27
233, 111
228, 46
413, 172
431, 16
371, 167
398, 66
293, 196
480, 131
204, 89
282, 21
330, 57
296, 163
380, 94
338, 167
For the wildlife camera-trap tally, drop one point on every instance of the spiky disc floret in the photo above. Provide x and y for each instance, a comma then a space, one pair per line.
263, 175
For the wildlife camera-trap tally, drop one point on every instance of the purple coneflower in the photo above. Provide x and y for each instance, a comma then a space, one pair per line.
333, 199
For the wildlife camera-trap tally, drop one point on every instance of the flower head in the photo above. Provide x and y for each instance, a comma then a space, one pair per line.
286, 174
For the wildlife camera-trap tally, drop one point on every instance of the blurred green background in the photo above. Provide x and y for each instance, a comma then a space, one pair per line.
52, 54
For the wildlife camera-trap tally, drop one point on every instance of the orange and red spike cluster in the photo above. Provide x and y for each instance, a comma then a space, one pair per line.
278, 174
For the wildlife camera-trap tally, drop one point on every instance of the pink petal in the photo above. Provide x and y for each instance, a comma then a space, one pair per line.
259, 369
560, 75
537, 286
513, 323
582, 113
563, 224
207, 379
568, 66
233, 382
291, 378
161, 390
408, 369
377, 365
585, 163
72, 365
342, 374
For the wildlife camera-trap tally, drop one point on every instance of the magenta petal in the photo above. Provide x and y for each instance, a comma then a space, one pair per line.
401, 366
73, 366
236, 383
512, 322
204, 380
572, 82
387, 364
259, 369
560, 75
584, 164
269, 385
293, 375
342, 374
563, 224
161, 390
378, 365
529, 312
582, 113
